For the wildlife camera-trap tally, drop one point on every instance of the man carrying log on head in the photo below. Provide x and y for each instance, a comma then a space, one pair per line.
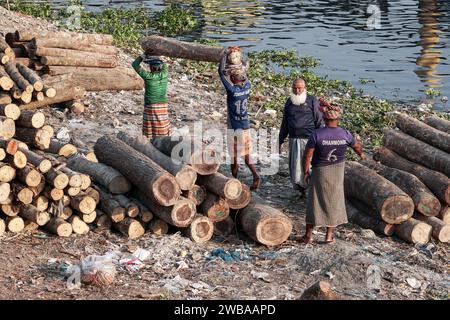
238, 136
301, 116
326, 147
156, 113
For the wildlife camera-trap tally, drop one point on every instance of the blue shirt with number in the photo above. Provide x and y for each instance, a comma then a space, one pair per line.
237, 101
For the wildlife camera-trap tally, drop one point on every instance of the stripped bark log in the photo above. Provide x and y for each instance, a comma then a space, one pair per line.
69, 43
65, 94
99, 39
80, 61
392, 204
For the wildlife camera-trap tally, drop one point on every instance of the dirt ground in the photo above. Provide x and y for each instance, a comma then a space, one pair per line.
177, 268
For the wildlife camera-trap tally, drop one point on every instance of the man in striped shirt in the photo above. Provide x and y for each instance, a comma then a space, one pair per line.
156, 113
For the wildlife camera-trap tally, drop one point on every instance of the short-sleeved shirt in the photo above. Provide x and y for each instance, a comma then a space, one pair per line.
330, 145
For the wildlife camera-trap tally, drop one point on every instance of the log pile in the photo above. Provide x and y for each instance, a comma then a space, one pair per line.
90, 59
405, 190
134, 188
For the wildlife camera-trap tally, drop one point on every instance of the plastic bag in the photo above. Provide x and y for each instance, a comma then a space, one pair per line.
98, 270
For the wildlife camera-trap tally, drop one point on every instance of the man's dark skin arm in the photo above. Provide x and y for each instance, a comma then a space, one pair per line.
357, 147
306, 163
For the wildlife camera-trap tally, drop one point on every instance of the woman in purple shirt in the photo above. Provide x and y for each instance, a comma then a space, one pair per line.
325, 151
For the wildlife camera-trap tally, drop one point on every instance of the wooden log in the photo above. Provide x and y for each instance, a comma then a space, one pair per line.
320, 290
9, 146
243, 200
71, 54
145, 215
130, 228
423, 132
75, 179
161, 46
54, 194
184, 175
102, 174
18, 160
437, 182
78, 225
4, 47
22, 193
72, 191
18, 79
35, 137
57, 179
11, 210
103, 221
158, 227
149, 177
31, 77
101, 83
100, 39
89, 71
228, 188
225, 227
409, 147
392, 204
88, 217
41, 203
7, 128
111, 207
59, 227
14, 224
204, 160
85, 181
31, 119
215, 207
200, 230
30, 212
438, 123
132, 209
440, 230
19, 52
30, 63
5, 98
424, 201
64, 213
6, 83
30, 226
104, 62
61, 148
40, 163
29, 176
4, 58
2, 154
65, 94
179, 215
69, 43
197, 194
10, 110
444, 215
7, 173
264, 223
363, 219
414, 231
83, 203
2, 226
94, 194
21, 144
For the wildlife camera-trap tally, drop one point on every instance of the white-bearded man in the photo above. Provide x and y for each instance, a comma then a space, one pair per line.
300, 118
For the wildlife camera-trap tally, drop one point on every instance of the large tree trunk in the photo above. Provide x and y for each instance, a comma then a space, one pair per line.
80, 62
437, 182
425, 202
392, 204
417, 151
185, 175
264, 224
179, 215
243, 200
90, 71
203, 159
160, 46
149, 177
440, 230
228, 188
71, 54
200, 230
438, 123
414, 231
69, 43
65, 94
366, 221
111, 82
102, 174
197, 194
423, 132
100, 39
215, 207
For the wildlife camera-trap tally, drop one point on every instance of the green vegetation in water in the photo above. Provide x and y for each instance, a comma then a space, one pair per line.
175, 20
433, 93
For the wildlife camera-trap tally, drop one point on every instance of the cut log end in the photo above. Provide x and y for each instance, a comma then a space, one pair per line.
183, 213
233, 189
186, 178
166, 190
390, 211
243, 200
201, 229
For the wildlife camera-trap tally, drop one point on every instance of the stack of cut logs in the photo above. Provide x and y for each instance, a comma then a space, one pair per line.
406, 190
134, 187
81, 59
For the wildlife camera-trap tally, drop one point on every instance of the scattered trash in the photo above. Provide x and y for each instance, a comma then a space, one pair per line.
444, 99
176, 284
315, 272
98, 270
63, 134
329, 274
182, 265
260, 275
414, 283
367, 233
270, 112
141, 254
269, 255
131, 264
228, 256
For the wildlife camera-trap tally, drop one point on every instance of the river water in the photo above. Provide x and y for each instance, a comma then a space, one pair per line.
394, 49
